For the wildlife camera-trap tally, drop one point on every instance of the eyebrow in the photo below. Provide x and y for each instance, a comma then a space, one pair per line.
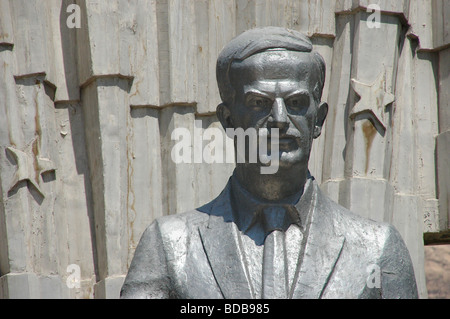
258, 93
297, 93
271, 95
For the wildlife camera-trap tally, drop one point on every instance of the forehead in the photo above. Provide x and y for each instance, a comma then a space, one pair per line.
275, 66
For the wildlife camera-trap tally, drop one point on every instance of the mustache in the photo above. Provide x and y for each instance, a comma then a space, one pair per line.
290, 134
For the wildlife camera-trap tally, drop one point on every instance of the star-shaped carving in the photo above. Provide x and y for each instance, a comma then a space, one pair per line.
30, 166
374, 98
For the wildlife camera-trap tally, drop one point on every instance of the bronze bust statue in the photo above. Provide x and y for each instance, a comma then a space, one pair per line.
271, 235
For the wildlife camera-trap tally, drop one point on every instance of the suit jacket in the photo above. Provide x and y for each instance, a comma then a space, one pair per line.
199, 254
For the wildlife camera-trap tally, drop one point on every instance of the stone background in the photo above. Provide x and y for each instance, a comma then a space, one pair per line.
86, 116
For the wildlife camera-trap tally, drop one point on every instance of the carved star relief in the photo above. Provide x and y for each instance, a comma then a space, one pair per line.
374, 98
30, 166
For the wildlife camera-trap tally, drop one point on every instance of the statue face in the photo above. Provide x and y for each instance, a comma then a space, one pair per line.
274, 89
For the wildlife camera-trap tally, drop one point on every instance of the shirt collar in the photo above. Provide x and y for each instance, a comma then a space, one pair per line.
245, 207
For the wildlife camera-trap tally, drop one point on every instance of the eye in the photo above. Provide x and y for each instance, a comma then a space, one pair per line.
298, 102
259, 102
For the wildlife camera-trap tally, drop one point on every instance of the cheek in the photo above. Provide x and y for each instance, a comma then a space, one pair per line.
304, 124
246, 118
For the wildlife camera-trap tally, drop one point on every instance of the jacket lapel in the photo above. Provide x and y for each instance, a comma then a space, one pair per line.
221, 243
321, 253
224, 252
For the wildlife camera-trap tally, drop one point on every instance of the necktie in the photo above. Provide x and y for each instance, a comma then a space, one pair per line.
274, 276
269, 227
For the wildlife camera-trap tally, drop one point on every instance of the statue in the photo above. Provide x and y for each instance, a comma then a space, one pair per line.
271, 235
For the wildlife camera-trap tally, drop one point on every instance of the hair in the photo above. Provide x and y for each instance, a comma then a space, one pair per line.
259, 40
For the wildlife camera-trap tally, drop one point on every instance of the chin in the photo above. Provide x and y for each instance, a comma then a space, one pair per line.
295, 159
290, 164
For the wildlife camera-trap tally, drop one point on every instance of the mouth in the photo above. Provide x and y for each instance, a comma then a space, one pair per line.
285, 143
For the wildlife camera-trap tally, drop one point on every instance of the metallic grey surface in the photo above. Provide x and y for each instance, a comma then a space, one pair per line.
278, 235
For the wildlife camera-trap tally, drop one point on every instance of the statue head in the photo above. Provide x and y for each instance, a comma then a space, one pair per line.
271, 78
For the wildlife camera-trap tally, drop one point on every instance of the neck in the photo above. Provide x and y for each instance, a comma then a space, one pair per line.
273, 187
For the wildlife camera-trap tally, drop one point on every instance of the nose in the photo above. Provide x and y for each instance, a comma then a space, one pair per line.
278, 117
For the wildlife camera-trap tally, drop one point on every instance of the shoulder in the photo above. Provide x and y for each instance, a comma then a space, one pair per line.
190, 221
192, 218
176, 227
179, 227
375, 243
359, 229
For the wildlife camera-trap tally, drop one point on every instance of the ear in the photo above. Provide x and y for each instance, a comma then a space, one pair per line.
224, 116
320, 119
